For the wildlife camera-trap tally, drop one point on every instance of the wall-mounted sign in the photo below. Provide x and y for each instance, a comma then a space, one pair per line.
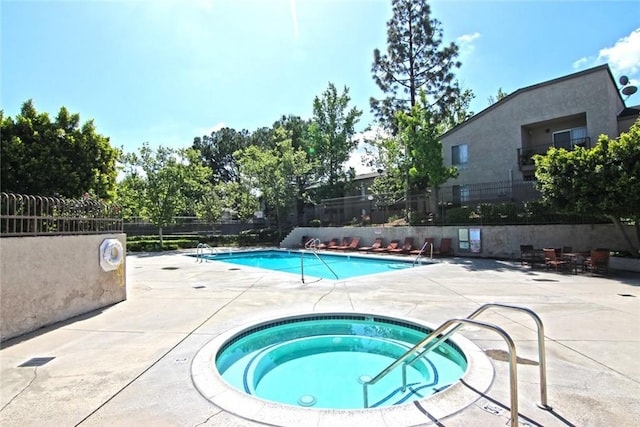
469, 240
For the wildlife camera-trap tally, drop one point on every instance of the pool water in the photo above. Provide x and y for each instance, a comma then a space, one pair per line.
299, 262
323, 362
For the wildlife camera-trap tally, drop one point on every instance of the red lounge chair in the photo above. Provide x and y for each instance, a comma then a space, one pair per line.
406, 247
352, 246
344, 244
445, 247
326, 245
393, 245
427, 246
375, 245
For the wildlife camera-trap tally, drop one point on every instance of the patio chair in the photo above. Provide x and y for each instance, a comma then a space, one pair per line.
406, 247
597, 262
352, 246
393, 245
344, 243
551, 259
330, 243
376, 244
445, 247
426, 248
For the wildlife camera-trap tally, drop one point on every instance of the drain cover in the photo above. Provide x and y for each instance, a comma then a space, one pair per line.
307, 400
36, 361
169, 268
198, 286
627, 295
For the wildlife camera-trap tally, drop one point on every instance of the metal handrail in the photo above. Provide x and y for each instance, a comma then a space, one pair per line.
513, 373
541, 347
437, 337
313, 246
200, 252
421, 251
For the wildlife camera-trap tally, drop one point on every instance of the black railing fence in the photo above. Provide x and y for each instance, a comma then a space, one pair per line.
501, 202
26, 215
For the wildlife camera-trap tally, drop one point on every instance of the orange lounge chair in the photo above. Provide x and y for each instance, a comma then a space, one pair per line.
393, 245
325, 245
427, 246
352, 246
345, 242
445, 247
406, 247
376, 244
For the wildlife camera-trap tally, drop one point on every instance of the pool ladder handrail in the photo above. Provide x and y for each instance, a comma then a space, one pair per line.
415, 261
313, 246
438, 336
200, 252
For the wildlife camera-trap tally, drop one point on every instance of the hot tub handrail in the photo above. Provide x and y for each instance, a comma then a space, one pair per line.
541, 347
429, 343
513, 374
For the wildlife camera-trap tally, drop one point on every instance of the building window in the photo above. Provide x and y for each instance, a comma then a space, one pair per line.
569, 138
459, 156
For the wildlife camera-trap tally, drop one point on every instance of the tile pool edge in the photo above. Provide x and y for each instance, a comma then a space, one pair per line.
205, 377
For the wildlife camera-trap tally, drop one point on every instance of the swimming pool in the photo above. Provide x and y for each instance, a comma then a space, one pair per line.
321, 265
323, 361
305, 405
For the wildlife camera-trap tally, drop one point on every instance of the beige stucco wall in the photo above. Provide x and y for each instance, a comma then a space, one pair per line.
502, 242
48, 279
494, 135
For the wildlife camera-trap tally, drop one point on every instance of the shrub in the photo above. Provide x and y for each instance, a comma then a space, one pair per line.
315, 222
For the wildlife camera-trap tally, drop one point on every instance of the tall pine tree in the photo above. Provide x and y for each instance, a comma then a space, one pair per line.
414, 61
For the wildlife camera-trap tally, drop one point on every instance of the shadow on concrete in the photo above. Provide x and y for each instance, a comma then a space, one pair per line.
43, 330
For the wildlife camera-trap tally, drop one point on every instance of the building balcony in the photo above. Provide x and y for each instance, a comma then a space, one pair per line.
526, 153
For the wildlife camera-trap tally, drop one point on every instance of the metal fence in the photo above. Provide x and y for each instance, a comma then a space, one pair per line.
500, 202
25, 215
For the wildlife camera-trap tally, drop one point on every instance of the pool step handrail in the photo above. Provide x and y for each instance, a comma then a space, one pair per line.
200, 255
415, 261
313, 245
439, 335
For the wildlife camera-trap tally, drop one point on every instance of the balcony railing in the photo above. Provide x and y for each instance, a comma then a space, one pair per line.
525, 154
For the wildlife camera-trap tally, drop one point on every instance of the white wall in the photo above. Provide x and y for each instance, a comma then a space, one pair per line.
498, 241
48, 279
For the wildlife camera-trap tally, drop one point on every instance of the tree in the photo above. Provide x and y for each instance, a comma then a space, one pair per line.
603, 180
216, 151
272, 173
331, 140
499, 96
298, 131
166, 179
414, 155
60, 158
421, 135
414, 60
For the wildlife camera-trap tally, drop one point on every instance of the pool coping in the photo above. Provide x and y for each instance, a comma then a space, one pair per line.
399, 258
477, 379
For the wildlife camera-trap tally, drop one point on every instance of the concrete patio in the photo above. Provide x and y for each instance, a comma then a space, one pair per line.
130, 364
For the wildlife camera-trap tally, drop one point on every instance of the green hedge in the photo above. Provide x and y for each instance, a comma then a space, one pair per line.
264, 236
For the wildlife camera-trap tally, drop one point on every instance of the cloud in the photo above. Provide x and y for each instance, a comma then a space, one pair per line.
465, 42
214, 128
623, 57
294, 17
